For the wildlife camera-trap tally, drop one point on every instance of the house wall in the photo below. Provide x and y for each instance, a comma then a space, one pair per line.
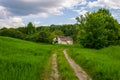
70, 42
59, 41
63, 42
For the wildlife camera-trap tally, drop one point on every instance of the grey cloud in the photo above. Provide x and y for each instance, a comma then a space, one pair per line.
26, 8
22, 8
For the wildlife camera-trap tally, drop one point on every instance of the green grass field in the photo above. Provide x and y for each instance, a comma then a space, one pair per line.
66, 72
101, 64
22, 60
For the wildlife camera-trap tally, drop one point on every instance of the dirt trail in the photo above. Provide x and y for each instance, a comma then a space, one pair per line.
54, 73
79, 72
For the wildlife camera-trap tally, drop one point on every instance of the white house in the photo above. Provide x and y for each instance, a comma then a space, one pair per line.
63, 40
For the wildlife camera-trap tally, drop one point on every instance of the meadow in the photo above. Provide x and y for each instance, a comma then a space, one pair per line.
103, 64
22, 60
65, 71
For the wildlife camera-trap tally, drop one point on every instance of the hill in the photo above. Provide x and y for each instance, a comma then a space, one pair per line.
22, 60
101, 64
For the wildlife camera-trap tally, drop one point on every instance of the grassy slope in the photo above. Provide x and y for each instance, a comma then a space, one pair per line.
22, 60
101, 64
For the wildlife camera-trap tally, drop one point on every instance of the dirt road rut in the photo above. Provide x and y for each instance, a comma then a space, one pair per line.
79, 72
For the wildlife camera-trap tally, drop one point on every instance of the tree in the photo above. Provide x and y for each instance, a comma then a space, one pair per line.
99, 29
54, 34
30, 28
22, 29
11, 33
43, 36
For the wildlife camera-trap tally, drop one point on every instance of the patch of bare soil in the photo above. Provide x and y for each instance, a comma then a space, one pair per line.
79, 72
54, 73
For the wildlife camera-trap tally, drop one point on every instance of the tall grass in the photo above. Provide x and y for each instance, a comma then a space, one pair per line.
101, 64
22, 60
65, 71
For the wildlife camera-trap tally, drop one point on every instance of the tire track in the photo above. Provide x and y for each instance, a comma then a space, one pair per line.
79, 72
54, 73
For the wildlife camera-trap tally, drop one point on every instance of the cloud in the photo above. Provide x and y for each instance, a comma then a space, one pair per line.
11, 22
81, 11
28, 7
36, 23
33, 8
83, 2
116, 14
16, 21
113, 4
73, 18
3, 13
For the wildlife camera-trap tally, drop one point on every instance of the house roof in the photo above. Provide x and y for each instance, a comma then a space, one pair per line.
65, 38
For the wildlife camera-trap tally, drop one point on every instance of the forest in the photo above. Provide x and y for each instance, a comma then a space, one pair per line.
97, 29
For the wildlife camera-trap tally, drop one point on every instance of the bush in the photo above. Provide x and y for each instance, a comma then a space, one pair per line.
12, 33
99, 28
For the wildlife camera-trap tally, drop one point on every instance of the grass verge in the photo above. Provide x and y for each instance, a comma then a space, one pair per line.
66, 72
101, 64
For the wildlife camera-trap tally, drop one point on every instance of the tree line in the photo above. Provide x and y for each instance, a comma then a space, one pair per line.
40, 34
97, 29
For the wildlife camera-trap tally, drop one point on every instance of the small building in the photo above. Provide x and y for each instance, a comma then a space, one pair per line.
63, 40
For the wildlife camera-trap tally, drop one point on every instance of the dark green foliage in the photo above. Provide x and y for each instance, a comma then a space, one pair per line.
22, 29
30, 28
98, 29
43, 37
11, 33
44, 33
67, 30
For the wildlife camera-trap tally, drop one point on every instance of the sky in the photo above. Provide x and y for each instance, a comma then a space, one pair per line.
17, 13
